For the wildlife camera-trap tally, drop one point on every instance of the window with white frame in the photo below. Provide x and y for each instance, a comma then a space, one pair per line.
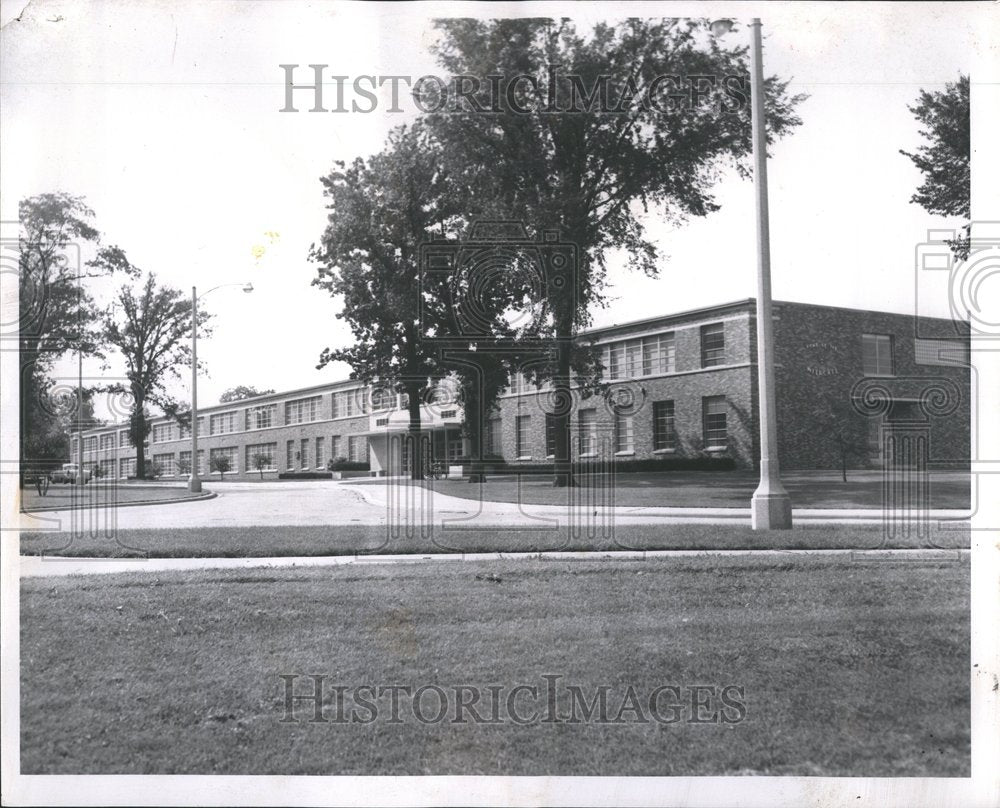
634, 358
347, 403
876, 354
90, 444
230, 453
302, 410
624, 432
123, 439
267, 452
290, 455
335, 447
126, 468
107, 467
263, 416
664, 433
184, 432
304, 453
714, 428
107, 441
168, 468
587, 425
222, 423
163, 433
185, 461
320, 452
522, 425
357, 448
713, 345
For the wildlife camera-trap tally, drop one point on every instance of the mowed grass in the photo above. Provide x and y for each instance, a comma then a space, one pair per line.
847, 668
698, 489
100, 496
267, 541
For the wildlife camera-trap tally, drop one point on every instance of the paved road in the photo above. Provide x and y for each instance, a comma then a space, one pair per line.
322, 502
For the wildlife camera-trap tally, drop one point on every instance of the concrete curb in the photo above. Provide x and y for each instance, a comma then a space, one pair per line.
35, 566
201, 497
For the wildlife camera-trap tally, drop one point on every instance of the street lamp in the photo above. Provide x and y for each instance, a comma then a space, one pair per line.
770, 507
194, 483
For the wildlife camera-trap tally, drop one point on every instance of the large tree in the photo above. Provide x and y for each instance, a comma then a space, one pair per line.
57, 310
241, 392
945, 156
594, 168
380, 211
151, 327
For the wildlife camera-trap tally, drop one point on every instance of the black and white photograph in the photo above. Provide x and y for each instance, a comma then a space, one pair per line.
508, 404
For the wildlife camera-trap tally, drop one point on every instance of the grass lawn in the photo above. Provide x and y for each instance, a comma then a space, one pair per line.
703, 489
264, 541
846, 668
70, 496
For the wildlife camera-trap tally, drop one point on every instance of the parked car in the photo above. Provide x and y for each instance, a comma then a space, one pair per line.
68, 474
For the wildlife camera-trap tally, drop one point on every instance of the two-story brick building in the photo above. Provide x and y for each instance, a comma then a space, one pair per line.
679, 385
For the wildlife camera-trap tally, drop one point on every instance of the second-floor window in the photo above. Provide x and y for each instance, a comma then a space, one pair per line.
876, 354
261, 417
222, 423
302, 411
163, 432
713, 345
633, 358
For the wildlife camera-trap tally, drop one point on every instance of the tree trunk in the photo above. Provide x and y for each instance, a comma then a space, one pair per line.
414, 435
563, 476
140, 442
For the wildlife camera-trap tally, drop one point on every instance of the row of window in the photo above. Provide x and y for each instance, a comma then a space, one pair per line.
715, 433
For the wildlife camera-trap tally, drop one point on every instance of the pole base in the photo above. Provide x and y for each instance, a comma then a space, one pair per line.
771, 511
194, 485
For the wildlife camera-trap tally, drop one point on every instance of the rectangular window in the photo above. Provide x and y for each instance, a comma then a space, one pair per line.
550, 436
445, 414
263, 453
587, 420
357, 449
713, 345
123, 439
348, 403
107, 467
261, 417
290, 455
185, 462
108, 441
230, 454
184, 432
624, 433
335, 447
522, 423
222, 423
714, 431
876, 354
492, 441
658, 354
302, 410
168, 468
664, 434
320, 453
126, 468
163, 433
304, 453
90, 444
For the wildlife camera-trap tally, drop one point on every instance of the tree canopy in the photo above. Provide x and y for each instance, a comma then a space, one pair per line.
150, 326
241, 392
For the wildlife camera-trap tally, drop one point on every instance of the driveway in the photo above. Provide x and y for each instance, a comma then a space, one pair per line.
323, 502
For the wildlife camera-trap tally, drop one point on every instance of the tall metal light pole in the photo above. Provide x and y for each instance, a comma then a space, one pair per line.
194, 482
770, 507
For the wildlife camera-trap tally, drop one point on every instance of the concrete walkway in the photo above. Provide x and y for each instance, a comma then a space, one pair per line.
35, 567
323, 502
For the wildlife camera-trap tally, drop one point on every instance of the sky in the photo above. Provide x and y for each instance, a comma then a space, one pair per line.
165, 116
